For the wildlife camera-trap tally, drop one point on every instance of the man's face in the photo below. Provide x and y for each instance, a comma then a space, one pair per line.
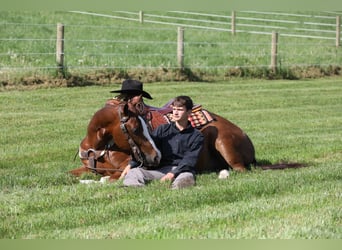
179, 113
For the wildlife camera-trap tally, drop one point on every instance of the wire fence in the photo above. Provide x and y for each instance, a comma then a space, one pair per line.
316, 26
212, 41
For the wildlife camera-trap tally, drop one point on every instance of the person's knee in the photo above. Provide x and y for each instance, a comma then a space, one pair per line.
133, 178
134, 172
184, 180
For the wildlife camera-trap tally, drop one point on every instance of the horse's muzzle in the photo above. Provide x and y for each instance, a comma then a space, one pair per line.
152, 161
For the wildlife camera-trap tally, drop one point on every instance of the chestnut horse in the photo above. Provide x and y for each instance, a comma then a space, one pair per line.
226, 146
114, 135
106, 150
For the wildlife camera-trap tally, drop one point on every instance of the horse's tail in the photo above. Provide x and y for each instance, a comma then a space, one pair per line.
281, 165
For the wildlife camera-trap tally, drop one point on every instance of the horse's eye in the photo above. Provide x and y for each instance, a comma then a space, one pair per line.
135, 131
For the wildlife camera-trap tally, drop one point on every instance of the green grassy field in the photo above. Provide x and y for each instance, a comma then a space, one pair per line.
287, 120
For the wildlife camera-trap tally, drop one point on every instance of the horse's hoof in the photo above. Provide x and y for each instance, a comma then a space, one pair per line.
87, 181
224, 174
104, 179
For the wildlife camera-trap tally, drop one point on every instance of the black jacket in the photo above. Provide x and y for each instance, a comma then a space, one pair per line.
178, 148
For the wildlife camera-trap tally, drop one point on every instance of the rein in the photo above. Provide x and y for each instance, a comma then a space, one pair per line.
104, 169
93, 160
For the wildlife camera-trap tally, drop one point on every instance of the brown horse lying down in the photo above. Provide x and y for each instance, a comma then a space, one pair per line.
114, 134
225, 145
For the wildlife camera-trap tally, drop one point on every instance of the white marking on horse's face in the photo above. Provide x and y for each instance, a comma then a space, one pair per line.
148, 136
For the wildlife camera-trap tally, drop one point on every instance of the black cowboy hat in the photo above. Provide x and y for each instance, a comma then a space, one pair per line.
132, 87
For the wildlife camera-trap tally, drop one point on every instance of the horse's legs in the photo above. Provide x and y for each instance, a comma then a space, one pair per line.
220, 149
230, 154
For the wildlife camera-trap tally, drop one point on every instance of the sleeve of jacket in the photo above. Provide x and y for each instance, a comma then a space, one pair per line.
157, 135
187, 164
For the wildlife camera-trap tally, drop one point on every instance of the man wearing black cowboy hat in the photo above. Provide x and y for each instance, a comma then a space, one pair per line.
131, 88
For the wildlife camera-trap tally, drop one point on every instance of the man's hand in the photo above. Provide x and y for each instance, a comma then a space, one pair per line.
168, 176
125, 172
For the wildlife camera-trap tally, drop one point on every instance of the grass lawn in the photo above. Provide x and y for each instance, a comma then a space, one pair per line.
296, 121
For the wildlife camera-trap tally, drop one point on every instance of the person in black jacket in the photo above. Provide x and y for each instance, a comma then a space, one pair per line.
180, 145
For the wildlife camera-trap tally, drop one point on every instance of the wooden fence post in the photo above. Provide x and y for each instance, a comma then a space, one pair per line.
274, 51
180, 47
60, 48
141, 17
338, 30
233, 24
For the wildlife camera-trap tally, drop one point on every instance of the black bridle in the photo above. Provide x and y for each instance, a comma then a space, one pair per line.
136, 151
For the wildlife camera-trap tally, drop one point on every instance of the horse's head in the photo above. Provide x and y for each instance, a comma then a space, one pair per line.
135, 102
137, 136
